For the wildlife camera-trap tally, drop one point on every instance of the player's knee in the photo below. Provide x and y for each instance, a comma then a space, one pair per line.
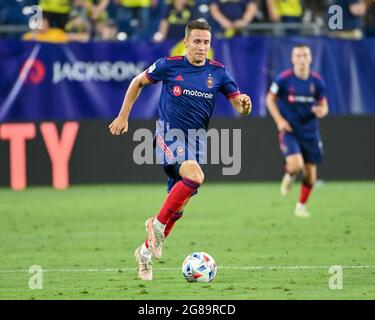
192, 171
197, 176
295, 168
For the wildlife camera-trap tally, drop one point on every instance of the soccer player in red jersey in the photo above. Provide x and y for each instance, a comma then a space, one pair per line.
296, 100
191, 84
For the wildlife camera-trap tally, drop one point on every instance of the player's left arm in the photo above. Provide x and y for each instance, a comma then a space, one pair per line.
242, 103
320, 109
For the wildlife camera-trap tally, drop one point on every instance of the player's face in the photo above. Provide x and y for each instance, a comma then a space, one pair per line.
301, 57
197, 45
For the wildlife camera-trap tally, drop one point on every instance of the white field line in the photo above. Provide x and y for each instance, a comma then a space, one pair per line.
173, 269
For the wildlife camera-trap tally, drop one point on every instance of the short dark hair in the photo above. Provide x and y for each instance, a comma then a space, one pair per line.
301, 45
200, 24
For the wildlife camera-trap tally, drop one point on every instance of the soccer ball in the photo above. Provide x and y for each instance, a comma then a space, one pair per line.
199, 267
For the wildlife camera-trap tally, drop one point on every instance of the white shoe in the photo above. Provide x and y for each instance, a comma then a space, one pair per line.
144, 265
301, 211
287, 184
155, 238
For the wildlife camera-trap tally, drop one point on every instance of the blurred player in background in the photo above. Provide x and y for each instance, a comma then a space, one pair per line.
190, 87
296, 100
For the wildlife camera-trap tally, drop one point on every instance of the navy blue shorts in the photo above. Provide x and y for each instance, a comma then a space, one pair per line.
310, 149
171, 154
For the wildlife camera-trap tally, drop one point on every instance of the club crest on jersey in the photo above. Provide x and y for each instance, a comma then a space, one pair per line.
177, 91
312, 89
210, 82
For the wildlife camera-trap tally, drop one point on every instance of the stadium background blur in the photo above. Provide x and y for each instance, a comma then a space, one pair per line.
85, 20
61, 87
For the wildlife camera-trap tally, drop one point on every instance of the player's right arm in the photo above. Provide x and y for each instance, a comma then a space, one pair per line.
281, 123
120, 124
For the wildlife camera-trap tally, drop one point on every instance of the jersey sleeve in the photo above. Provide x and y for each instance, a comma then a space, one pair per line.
277, 86
157, 71
229, 87
320, 90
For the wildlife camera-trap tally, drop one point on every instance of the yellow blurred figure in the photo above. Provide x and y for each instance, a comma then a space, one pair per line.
135, 3
56, 6
56, 12
289, 8
46, 34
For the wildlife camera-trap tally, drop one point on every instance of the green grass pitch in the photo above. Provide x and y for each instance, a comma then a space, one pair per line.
84, 237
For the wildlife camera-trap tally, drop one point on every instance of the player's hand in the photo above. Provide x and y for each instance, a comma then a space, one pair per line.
283, 125
240, 24
245, 104
319, 112
119, 126
227, 25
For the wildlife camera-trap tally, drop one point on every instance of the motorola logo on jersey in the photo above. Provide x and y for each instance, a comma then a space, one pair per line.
300, 99
196, 93
177, 91
33, 71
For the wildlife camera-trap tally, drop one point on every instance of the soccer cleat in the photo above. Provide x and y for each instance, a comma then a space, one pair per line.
287, 184
155, 238
301, 211
144, 265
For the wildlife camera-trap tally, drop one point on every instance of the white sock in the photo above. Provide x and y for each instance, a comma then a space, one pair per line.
145, 252
300, 205
158, 225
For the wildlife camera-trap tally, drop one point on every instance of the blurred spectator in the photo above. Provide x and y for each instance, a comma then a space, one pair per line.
56, 12
97, 9
78, 26
87, 13
97, 14
353, 18
175, 17
11, 12
233, 15
106, 30
46, 34
370, 19
133, 18
286, 11
314, 11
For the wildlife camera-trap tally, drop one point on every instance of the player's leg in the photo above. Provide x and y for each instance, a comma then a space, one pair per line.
312, 152
293, 161
293, 166
173, 219
143, 257
308, 182
191, 177
143, 253
186, 171
309, 178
